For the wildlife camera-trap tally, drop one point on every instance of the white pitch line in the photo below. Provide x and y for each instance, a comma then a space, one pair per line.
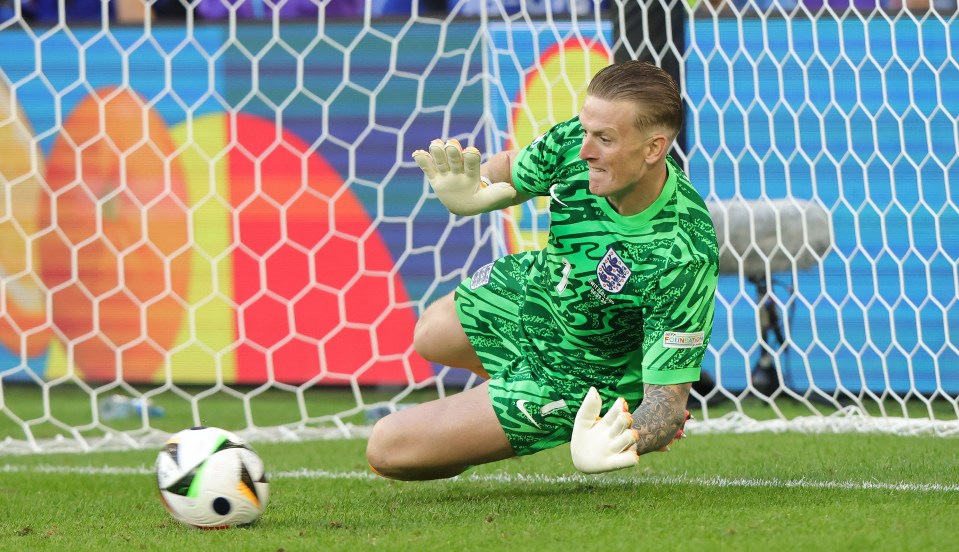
717, 481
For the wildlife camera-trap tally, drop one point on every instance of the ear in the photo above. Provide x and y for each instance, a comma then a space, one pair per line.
656, 148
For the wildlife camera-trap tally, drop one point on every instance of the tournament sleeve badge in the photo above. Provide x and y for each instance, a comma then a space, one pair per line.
481, 277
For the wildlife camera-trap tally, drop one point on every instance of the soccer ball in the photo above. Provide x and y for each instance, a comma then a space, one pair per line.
211, 478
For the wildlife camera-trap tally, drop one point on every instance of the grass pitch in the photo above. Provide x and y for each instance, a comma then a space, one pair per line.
758, 491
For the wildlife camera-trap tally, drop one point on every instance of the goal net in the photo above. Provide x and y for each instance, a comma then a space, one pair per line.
218, 222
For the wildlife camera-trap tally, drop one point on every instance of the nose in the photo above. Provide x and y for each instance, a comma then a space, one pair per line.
586, 150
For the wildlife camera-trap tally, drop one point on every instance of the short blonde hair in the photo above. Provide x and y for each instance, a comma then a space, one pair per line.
653, 90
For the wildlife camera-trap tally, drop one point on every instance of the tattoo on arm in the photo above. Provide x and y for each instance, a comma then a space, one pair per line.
660, 415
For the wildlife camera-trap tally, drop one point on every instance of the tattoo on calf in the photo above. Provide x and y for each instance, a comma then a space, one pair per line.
660, 415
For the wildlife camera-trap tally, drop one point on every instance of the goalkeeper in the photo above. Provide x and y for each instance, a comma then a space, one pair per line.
616, 311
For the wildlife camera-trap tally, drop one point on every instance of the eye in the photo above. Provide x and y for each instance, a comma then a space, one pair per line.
603, 139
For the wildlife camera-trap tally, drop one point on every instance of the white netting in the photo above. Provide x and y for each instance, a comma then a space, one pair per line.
848, 112
221, 218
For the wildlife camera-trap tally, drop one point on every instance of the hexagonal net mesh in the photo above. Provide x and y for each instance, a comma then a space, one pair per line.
218, 222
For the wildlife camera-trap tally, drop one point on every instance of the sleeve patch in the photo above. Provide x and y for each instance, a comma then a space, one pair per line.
683, 340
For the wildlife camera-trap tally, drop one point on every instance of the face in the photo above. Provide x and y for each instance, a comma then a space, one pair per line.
617, 152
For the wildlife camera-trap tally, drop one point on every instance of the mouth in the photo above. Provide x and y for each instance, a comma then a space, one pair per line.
597, 180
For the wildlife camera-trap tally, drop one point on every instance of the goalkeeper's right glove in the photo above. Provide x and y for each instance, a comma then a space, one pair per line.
454, 174
603, 444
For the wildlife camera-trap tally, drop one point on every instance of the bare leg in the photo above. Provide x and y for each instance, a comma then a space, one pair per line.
439, 337
438, 439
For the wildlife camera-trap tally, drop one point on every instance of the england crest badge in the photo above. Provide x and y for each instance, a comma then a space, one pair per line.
612, 272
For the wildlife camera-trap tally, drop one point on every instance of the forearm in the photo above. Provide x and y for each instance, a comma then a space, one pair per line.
660, 415
499, 168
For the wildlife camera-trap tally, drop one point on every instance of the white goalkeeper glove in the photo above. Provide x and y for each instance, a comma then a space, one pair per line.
603, 444
454, 174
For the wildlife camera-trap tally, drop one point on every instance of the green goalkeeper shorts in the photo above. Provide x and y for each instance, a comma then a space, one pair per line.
535, 411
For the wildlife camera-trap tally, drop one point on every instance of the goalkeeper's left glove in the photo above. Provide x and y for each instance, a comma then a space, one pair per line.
603, 444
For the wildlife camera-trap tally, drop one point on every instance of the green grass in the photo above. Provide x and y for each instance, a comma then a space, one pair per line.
760, 491
711, 492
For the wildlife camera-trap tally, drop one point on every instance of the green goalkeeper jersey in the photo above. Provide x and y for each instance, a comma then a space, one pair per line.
615, 301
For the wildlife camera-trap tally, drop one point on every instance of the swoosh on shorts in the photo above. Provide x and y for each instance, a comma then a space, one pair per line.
521, 405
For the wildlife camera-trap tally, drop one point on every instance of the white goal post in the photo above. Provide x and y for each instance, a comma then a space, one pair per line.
221, 219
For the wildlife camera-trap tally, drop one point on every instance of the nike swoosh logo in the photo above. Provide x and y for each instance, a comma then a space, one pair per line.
552, 194
521, 405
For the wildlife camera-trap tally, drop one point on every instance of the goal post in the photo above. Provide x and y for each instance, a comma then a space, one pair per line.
221, 222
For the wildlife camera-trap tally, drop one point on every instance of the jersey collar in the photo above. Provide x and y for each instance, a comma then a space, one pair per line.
647, 214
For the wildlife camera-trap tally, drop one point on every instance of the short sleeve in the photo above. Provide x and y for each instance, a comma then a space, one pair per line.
679, 323
532, 168
549, 159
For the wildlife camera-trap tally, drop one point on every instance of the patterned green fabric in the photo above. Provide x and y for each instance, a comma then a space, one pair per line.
612, 302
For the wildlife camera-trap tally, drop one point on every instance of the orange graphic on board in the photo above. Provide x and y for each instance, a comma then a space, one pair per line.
220, 249
23, 305
118, 264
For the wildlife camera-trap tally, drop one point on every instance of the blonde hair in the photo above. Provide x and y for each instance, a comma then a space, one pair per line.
651, 89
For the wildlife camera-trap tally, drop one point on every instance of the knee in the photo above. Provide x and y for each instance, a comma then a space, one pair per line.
439, 338
432, 333
424, 338
393, 454
378, 450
